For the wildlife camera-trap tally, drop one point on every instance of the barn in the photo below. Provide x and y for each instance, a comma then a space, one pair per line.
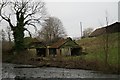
65, 47
62, 47
112, 28
40, 48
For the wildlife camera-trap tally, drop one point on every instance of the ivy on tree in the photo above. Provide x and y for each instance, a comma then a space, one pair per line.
19, 15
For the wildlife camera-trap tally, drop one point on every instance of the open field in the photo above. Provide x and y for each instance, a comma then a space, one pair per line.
95, 48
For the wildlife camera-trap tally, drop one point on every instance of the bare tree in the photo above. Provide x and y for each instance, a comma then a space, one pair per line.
8, 30
87, 32
106, 41
21, 13
52, 29
3, 35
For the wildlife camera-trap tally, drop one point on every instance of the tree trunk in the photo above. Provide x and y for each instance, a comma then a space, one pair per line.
18, 34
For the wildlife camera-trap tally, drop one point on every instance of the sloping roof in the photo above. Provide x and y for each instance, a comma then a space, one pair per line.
37, 45
97, 32
33, 43
62, 42
58, 43
28, 40
115, 27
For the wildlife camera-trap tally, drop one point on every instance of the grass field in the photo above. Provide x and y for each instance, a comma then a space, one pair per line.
95, 48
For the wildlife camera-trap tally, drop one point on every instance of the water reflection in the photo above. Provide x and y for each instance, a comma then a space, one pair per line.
8, 71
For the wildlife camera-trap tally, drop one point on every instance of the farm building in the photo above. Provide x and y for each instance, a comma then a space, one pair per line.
65, 47
115, 27
40, 48
35, 45
62, 47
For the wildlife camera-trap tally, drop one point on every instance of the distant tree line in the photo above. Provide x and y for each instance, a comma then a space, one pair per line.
87, 32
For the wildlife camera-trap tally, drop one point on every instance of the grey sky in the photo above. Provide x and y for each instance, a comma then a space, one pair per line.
91, 14
119, 11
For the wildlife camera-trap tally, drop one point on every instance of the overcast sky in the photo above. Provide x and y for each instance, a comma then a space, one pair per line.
91, 14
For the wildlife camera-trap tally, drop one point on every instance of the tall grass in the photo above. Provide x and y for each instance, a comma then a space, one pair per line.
95, 48
8, 55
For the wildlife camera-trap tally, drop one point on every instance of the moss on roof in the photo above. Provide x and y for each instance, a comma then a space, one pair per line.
64, 43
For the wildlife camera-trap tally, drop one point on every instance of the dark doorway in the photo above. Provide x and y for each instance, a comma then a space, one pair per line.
75, 51
52, 52
41, 52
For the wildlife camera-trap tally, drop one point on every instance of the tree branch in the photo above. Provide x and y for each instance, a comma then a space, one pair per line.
28, 31
3, 17
32, 25
32, 21
36, 7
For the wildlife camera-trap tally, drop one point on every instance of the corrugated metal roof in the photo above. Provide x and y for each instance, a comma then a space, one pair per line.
115, 27
98, 32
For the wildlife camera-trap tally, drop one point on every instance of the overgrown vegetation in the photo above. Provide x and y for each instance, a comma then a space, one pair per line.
95, 48
94, 59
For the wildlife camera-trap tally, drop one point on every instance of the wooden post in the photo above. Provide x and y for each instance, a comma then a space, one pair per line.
81, 29
58, 52
69, 51
47, 51
59, 57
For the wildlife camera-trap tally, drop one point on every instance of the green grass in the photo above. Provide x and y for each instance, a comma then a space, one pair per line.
95, 48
